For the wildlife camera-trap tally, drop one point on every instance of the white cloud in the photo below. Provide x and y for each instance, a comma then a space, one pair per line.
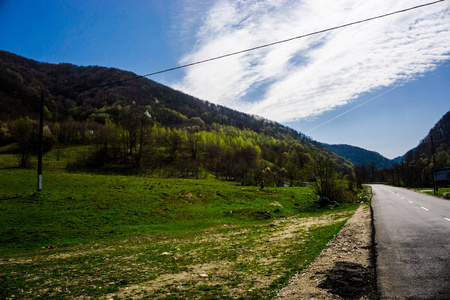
309, 76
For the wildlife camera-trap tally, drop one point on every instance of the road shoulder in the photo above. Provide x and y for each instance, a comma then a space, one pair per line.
344, 269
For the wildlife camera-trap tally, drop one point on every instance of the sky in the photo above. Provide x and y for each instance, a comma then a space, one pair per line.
380, 85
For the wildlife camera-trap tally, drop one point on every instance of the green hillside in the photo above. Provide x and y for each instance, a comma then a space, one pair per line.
151, 193
140, 126
416, 167
115, 236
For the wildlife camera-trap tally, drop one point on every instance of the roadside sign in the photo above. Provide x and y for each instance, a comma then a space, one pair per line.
442, 174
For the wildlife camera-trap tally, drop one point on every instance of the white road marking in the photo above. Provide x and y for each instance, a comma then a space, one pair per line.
447, 219
410, 201
424, 208
402, 197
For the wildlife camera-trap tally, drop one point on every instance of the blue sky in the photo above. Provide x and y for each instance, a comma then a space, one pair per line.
387, 79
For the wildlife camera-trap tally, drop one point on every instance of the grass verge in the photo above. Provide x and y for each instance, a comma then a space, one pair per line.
104, 236
430, 191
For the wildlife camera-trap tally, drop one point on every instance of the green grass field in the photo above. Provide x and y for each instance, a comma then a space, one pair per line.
430, 191
113, 236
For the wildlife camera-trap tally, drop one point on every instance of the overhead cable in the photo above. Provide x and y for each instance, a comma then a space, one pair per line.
267, 45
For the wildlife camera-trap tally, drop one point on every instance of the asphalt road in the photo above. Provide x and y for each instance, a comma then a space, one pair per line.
412, 242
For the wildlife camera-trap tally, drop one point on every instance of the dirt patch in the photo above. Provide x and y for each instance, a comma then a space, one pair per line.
344, 269
249, 266
226, 261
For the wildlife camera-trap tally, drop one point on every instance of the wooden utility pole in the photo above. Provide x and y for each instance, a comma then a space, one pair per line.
40, 146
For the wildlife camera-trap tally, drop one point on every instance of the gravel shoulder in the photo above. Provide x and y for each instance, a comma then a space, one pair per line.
345, 268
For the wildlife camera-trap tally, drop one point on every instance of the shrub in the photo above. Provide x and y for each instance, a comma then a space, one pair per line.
328, 186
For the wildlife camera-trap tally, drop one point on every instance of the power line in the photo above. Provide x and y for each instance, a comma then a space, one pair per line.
267, 45
351, 109
364, 103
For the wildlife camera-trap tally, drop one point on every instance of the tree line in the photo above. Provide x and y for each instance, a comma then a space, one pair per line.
417, 173
413, 173
138, 143
418, 165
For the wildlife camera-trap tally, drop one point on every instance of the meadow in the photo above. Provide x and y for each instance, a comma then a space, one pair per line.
109, 236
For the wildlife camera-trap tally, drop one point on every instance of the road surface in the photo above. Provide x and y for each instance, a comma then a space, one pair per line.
412, 242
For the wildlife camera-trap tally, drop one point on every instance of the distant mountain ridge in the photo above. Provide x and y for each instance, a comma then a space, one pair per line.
399, 159
437, 141
359, 155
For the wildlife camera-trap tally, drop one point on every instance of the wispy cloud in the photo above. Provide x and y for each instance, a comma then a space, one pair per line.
309, 76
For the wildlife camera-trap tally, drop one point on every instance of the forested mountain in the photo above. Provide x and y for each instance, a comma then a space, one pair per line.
399, 159
98, 93
359, 155
135, 122
436, 141
432, 153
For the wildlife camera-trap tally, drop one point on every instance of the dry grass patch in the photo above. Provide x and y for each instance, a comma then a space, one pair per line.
225, 262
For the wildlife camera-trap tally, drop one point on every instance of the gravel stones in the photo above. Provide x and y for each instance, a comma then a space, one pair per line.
344, 269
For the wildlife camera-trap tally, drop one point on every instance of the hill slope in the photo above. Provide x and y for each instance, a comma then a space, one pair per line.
359, 155
416, 167
137, 122
437, 140
94, 93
